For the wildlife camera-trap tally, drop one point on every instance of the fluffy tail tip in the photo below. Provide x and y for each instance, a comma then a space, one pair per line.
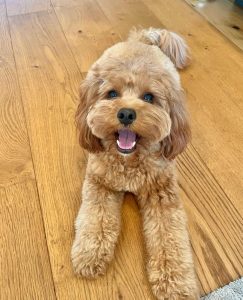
172, 44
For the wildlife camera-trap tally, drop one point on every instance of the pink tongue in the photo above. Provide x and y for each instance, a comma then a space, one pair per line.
126, 138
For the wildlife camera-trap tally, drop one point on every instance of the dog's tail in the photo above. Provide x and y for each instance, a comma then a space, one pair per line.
169, 42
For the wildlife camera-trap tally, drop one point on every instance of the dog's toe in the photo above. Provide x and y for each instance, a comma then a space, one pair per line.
89, 269
90, 262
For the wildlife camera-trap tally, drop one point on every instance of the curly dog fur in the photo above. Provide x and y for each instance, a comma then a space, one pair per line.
140, 76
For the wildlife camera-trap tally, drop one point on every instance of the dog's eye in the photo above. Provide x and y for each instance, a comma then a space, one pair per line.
112, 94
148, 97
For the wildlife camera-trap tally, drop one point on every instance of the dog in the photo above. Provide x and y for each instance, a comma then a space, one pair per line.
133, 122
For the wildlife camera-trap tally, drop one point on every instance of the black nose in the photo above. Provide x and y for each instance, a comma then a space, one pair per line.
126, 116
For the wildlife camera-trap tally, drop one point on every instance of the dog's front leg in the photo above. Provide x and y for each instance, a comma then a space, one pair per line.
97, 229
170, 264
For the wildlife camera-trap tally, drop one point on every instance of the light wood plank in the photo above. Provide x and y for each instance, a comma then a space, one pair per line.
214, 87
88, 32
15, 156
25, 271
67, 3
215, 224
124, 15
18, 7
224, 15
24, 258
50, 96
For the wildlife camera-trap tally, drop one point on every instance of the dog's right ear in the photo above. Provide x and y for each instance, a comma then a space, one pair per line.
88, 95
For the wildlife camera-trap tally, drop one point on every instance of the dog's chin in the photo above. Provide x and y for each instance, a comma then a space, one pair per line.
126, 151
126, 141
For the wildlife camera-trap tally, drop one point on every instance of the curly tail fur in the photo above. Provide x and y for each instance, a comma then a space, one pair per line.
169, 42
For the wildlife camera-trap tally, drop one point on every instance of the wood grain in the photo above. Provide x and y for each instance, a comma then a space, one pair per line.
15, 156
25, 267
88, 32
25, 271
124, 15
68, 3
18, 7
214, 87
215, 224
224, 15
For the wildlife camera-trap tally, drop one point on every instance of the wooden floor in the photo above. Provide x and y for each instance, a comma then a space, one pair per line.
45, 50
224, 15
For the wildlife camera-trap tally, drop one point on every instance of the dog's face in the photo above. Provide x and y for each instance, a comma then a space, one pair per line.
131, 101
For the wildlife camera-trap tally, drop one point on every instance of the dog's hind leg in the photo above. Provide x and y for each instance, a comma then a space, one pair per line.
97, 229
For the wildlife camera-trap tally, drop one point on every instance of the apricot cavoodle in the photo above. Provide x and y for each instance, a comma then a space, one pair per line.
133, 122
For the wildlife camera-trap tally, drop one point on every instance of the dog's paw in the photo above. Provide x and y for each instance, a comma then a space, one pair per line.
172, 286
91, 259
162, 291
88, 267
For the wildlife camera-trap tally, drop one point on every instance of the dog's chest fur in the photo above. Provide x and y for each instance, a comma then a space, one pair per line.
129, 174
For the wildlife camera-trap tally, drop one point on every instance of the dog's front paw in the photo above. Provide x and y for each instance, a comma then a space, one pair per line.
90, 257
167, 285
87, 266
162, 291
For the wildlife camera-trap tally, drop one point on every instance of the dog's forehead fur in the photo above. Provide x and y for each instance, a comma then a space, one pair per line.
135, 59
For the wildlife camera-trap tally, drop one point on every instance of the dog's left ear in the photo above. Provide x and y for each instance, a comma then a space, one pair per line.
180, 133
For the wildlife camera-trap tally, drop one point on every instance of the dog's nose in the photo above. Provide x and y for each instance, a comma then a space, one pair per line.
126, 116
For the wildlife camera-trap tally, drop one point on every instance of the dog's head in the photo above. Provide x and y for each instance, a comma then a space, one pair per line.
132, 100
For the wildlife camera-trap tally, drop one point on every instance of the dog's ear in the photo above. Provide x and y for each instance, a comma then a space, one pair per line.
180, 132
173, 45
88, 94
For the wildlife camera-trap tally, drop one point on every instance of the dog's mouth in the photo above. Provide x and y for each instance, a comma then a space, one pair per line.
126, 141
